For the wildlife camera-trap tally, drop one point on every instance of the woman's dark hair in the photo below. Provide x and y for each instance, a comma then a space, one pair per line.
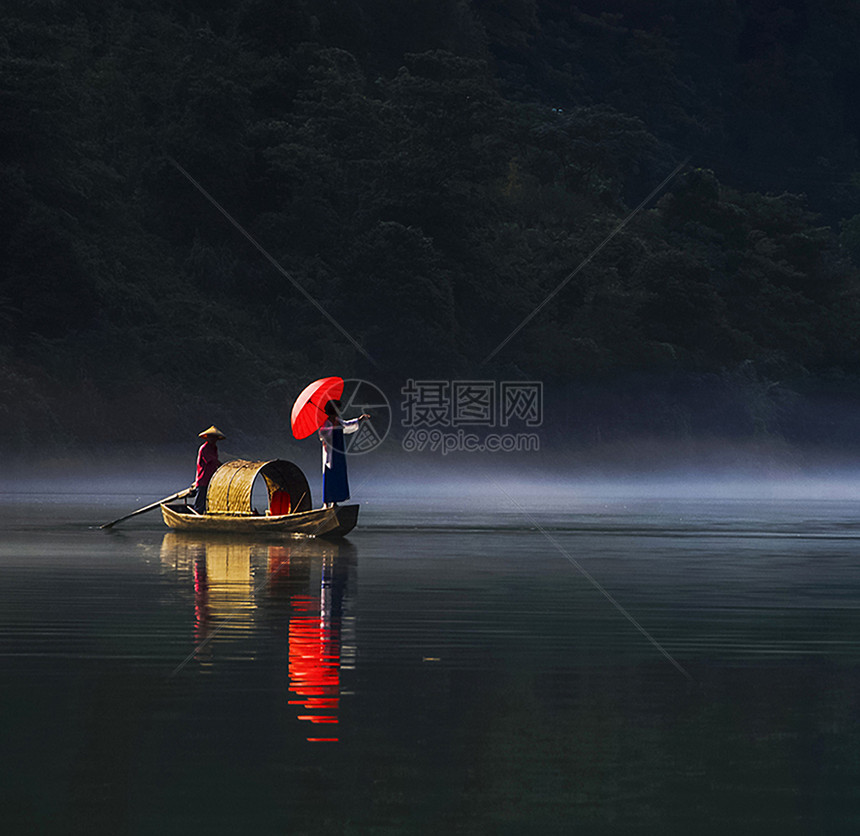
332, 409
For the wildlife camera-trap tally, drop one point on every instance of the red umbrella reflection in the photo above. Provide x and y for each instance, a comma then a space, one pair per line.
315, 663
314, 656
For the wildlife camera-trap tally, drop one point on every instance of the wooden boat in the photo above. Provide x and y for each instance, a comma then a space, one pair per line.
229, 505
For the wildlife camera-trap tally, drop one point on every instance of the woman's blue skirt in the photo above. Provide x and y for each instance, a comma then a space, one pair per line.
335, 482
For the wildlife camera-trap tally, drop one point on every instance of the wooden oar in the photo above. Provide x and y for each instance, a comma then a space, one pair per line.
179, 495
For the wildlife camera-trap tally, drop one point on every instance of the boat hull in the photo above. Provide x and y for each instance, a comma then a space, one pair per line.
320, 522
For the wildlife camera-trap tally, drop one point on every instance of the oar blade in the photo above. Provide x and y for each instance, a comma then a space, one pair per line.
170, 498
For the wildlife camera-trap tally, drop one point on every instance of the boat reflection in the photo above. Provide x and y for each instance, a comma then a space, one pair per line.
306, 580
224, 587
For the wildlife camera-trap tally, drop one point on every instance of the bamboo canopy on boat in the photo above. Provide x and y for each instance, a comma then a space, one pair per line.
230, 489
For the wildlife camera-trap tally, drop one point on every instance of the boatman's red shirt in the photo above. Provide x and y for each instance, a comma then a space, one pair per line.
207, 464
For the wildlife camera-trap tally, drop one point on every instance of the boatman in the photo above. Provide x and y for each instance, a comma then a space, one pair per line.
207, 464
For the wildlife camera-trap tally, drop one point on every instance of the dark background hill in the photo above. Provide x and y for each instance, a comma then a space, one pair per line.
429, 173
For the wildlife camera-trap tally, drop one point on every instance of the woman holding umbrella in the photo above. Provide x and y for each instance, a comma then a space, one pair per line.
317, 409
335, 481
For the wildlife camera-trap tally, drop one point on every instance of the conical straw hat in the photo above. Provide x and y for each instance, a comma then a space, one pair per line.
213, 430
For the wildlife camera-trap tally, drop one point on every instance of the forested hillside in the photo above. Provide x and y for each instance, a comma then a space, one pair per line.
428, 173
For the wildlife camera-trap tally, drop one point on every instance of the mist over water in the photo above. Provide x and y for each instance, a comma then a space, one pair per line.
544, 645
561, 474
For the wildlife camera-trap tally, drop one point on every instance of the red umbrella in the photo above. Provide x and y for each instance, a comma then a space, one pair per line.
308, 413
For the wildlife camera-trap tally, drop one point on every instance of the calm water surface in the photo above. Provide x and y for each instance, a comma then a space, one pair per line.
620, 665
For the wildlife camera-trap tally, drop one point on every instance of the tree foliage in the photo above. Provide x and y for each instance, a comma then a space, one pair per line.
428, 178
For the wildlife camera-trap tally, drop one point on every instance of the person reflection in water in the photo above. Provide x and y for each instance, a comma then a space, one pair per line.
207, 464
335, 481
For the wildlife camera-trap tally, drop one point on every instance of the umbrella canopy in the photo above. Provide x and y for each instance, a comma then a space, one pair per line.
308, 413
